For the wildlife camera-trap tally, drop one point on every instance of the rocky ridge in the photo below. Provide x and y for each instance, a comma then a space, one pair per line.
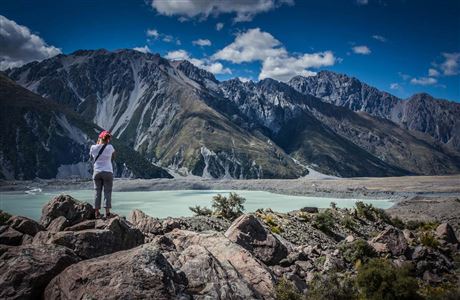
69, 254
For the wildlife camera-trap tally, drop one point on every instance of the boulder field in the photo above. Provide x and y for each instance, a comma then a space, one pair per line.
69, 254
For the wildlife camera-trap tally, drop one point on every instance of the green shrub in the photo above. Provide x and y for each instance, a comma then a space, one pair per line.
422, 225
333, 205
229, 208
331, 286
201, 211
276, 229
4, 216
324, 221
371, 213
429, 240
398, 223
348, 222
379, 279
357, 250
445, 291
285, 290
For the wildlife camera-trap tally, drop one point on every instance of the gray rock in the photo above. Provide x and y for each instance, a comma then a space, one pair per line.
58, 224
11, 237
64, 205
26, 270
25, 225
390, 240
138, 273
248, 232
145, 223
308, 209
445, 232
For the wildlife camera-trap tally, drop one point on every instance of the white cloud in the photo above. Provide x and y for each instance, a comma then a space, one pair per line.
219, 26
364, 50
362, 2
144, 49
424, 81
404, 76
277, 63
395, 86
19, 46
153, 33
168, 38
213, 67
244, 79
243, 9
202, 42
450, 65
433, 72
379, 38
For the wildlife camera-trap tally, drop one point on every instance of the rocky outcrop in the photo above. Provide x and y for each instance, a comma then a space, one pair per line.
446, 233
242, 271
93, 238
25, 225
249, 233
391, 240
64, 205
139, 273
26, 270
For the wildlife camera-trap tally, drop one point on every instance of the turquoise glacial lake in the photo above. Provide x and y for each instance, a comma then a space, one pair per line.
163, 204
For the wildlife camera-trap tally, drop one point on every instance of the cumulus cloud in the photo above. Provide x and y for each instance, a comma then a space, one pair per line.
244, 10
379, 38
424, 81
210, 66
202, 42
364, 50
153, 33
219, 26
277, 63
450, 65
19, 46
433, 72
244, 79
144, 49
395, 86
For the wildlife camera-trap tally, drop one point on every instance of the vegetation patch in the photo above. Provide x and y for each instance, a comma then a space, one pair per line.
228, 208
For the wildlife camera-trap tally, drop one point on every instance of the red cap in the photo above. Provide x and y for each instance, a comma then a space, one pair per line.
105, 134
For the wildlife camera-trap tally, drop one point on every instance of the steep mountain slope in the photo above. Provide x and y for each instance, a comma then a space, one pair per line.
435, 117
159, 109
40, 138
314, 131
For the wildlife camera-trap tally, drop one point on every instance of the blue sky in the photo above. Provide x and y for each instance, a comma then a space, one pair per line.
400, 46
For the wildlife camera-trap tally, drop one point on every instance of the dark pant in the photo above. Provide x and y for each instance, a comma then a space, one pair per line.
103, 180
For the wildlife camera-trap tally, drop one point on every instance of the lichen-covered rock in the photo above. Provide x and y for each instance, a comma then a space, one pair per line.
64, 205
248, 232
26, 270
241, 268
96, 238
390, 240
138, 273
25, 225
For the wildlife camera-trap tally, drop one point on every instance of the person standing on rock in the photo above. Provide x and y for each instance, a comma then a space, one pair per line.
103, 153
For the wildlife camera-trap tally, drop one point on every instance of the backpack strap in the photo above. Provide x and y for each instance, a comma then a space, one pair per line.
100, 152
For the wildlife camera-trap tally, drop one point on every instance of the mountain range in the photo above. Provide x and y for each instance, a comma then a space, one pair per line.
174, 115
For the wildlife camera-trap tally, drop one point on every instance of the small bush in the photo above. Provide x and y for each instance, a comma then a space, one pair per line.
422, 225
429, 240
372, 213
4, 216
331, 286
398, 223
285, 290
269, 220
348, 222
379, 279
444, 291
229, 208
276, 229
324, 221
201, 211
333, 205
357, 250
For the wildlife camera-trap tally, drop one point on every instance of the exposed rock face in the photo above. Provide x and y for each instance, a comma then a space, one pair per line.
26, 270
242, 269
10, 236
139, 273
95, 238
248, 232
421, 112
145, 223
391, 240
64, 205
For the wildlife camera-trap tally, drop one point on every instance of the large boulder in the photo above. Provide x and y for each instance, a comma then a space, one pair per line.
24, 225
64, 205
145, 223
445, 232
26, 270
93, 238
10, 236
139, 273
248, 232
391, 240
234, 269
